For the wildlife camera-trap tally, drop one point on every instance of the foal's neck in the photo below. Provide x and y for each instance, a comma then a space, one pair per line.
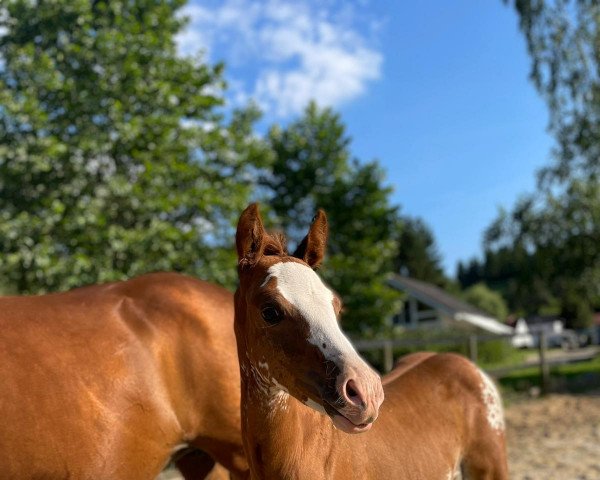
279, 430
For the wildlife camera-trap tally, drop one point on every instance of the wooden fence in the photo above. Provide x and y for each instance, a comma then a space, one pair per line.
542, 361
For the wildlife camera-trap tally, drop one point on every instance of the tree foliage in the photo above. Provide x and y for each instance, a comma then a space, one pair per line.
116, 159
487, 300
545, 253
113, 158
563, 40
313, 169
418, 256
545, 256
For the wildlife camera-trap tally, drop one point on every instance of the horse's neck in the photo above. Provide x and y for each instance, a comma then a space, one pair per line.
187, 368
280, 432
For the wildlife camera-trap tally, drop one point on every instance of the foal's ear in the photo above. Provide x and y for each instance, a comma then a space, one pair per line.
312, 248
249, 238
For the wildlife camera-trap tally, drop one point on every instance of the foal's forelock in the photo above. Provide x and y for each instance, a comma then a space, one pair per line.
275, 244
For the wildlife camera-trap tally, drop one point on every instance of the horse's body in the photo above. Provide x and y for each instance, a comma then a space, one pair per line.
433, 423
441, 414
108, 381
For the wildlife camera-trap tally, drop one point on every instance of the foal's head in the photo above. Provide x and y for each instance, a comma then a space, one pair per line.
287, 326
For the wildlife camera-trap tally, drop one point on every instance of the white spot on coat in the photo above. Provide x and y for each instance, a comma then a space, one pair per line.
277, 395
493, 402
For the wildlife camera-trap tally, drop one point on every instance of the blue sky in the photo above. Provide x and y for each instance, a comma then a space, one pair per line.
437, 91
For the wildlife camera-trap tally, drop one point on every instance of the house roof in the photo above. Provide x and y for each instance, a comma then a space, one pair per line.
432, 295
542, 319
439, 299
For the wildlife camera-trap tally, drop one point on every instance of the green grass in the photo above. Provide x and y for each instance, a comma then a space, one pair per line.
591, 366
573, 377
511, 356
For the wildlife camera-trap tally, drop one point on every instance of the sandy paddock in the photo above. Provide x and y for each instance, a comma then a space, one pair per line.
554, 438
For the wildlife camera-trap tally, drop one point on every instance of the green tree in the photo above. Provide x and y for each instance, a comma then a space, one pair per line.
514, 273
313, 169
563, 40
487, 300
311, 156
418, 256
113, 158
544, 255
551, 239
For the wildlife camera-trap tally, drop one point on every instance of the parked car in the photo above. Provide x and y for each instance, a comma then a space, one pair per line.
567, 340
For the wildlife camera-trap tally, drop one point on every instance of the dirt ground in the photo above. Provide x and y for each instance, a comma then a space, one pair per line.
554, 438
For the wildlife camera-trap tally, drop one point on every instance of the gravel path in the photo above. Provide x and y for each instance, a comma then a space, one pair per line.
554, 438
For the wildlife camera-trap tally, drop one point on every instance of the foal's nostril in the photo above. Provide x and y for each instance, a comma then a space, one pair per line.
353, 393
350, 391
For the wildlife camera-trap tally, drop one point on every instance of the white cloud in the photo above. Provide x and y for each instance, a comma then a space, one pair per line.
194, 37
293, 51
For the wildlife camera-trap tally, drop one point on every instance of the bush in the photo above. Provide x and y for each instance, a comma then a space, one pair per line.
494, 352
487, 300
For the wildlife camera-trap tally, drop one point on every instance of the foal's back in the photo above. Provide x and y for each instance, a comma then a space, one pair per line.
445, 415
108, 381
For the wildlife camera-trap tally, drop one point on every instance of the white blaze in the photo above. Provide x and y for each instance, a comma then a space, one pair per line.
303, 288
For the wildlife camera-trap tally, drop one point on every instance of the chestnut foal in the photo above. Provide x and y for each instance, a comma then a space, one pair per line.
304, 387
108, 381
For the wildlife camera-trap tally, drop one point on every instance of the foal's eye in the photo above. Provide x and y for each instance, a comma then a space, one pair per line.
271, 315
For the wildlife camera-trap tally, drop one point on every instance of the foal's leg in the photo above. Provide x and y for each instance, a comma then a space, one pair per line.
484, 456
198, 465
486, 459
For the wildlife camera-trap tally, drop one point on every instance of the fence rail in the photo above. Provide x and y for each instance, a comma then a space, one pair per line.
543, 361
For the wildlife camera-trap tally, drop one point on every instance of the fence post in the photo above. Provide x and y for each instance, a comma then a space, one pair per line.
544, 367
473, 347
388, 356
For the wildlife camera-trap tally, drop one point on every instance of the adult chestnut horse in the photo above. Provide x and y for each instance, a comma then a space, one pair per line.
108, 381
441, 414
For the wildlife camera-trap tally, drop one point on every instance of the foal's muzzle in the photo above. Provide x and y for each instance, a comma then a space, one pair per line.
358, 396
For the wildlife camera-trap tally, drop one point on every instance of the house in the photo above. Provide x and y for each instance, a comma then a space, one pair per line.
430, 306
523, 338
551, 324
528, 331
